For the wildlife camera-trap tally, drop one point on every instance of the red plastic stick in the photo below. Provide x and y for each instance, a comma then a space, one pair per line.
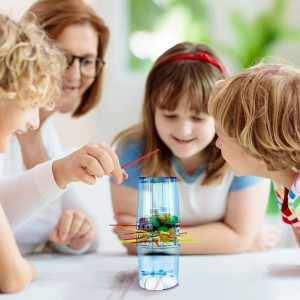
140, 158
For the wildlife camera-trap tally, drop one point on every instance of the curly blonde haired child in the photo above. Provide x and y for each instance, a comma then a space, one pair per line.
83, 36
31, 66
30, 71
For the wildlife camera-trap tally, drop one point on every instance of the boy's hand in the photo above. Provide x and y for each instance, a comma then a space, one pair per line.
267, 238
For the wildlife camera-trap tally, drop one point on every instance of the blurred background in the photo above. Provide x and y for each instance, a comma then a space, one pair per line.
241, 32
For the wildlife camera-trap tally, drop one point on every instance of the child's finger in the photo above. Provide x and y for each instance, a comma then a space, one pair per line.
77, 222
117, 172
125, 175
64, 225
86, 226
53, 236
89, 234
105, 163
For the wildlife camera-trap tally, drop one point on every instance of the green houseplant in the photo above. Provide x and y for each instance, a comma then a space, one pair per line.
257, 38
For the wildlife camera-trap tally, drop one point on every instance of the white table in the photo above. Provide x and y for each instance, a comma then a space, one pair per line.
269, 276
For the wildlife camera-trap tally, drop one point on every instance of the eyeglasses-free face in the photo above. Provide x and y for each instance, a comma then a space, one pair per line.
90, 66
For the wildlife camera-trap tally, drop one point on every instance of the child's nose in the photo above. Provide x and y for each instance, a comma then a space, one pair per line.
34, 122
185, 128
218, 143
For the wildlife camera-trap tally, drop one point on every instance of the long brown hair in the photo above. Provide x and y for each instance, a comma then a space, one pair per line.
175, 79
54, 16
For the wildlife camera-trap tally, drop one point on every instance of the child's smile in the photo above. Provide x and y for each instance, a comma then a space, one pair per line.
185, 132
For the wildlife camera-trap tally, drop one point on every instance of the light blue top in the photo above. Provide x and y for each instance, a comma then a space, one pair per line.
133, 150
198, 204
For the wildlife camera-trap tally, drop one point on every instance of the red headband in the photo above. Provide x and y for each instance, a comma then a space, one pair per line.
201, 56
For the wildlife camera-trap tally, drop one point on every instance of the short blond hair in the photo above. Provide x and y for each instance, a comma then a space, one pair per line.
260, 109
31, 67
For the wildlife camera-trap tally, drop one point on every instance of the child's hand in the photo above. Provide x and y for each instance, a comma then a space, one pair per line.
92, 161
73, 229
267, 238
120, 232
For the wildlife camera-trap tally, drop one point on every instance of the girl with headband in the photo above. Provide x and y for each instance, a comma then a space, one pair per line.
225, 212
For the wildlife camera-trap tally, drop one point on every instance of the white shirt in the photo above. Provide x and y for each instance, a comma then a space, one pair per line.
198, 204
35, 231
23, 194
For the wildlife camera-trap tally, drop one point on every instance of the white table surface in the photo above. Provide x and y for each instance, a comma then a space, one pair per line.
268, 275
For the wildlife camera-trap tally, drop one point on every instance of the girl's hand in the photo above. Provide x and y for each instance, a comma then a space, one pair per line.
73, 229
122, 232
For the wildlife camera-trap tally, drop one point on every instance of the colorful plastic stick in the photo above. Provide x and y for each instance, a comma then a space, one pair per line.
140, 158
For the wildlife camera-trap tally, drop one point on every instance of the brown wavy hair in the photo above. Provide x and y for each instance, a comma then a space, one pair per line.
260, 109
54, 16
31, 66
167, 84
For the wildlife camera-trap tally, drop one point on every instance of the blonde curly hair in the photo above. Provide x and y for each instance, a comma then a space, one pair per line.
260, 109
31, 66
